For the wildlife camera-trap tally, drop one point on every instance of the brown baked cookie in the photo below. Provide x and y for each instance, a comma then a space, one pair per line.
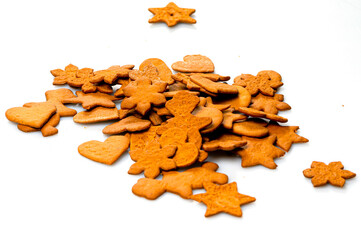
138, 140
229, 118
47, 130
82, 80
98, 114
269, 104
181, 183
185, 79
91, 100
255, 113
62, 76
242, 99
213, 87
128, 124
222, 198
215, 114
119, 92
286, 135
265, 82
154, 118
36, 115
172, 15
56, 97
151, 159
213, 76
104, 88
164, 73
142, 94
112, 74
224, 142
106, 152
253, 127
333, 173
194, 64
260, 152
209, 103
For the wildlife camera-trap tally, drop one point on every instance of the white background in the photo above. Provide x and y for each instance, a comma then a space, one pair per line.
49, 191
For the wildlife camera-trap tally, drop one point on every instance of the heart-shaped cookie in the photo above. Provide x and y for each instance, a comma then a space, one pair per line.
34, 116
194, 64
106, 152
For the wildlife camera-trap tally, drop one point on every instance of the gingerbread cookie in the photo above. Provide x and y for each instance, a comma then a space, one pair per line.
47, 130
286, 135
181, 183
164, 73
34, 116
269, 104
251, 127
265, 82
112, 74
229, 118
194, 64
91, 100
128, 124
63, 76
243, 98
56, 97
172, 15
151, 159
255, 113
332, 173
224, 142
138, 140
213, 76
215, 114
106, 152
213, 87
260, 152
142, 94
222, 198
98, 114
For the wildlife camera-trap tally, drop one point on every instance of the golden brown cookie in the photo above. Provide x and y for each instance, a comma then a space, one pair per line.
212, 76
62, 76
187, 152
151, 159
112, 74
286, 135
119, 92
82, 79
194, 64
242, 99
260, 152
138, 140
269, 104
229, 118
222, 198
251, 127
214, 87
91, 100
106, 152
34, 116
104, 88
215, 114
333, 173
209, 103
142, 94
98, 114
224, 142
47, 130
172, 15
265, 82
56, 97
164, 73
181, 183
255, 113
155, 118
128, 124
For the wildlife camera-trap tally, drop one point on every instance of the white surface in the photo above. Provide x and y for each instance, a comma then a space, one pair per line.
49, 191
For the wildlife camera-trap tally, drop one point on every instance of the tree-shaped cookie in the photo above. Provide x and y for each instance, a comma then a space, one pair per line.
151, 159
142, 94
269, 104
265, 82
222, 198
286, 135
181, 183
333, 173
260, 152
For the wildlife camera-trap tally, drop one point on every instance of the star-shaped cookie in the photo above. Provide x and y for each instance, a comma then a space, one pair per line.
172, 14
222, 198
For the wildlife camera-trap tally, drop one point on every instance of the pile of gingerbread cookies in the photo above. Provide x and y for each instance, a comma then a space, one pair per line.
171, 122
